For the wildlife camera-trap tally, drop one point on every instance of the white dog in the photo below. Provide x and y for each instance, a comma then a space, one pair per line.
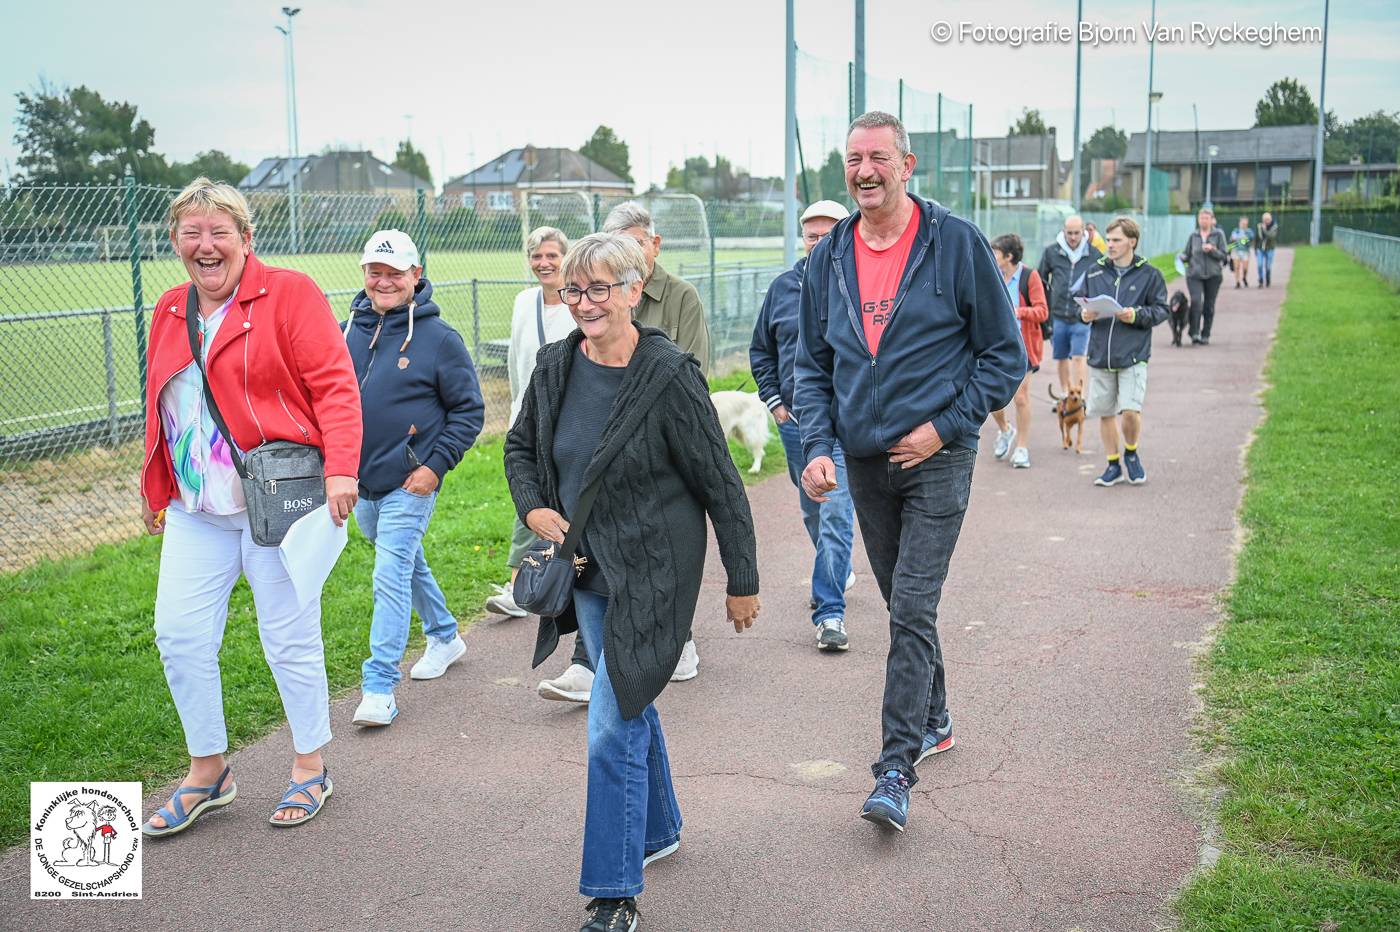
743, 417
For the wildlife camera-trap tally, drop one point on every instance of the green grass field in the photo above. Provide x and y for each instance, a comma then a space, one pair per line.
1303, 682
82, 692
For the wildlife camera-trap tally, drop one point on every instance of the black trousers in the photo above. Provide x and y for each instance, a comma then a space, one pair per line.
1203, 292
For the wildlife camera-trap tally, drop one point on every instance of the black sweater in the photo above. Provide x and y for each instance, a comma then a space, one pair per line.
665, 465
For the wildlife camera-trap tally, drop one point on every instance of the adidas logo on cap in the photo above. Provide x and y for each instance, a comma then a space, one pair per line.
385, 246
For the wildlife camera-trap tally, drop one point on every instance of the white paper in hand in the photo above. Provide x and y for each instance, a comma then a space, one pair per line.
1103, 305
309, 552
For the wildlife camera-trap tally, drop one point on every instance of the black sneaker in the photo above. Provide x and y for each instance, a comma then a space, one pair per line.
611, 915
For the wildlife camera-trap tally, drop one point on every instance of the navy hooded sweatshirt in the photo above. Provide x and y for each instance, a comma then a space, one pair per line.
951, 352
418, 390
773, 352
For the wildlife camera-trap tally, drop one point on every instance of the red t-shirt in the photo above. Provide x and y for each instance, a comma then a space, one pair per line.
878, 273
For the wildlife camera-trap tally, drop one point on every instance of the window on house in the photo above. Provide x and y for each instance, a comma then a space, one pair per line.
500, 200
1012, 186
1227, 182
1276, 179
1174, 179
469, 200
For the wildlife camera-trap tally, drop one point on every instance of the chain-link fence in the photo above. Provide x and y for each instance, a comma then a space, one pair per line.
81, 267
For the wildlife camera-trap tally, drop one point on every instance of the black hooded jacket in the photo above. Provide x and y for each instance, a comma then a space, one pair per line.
418, 391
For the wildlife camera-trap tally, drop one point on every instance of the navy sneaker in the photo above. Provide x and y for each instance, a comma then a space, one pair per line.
1112, 475
889, 804
1133, 464
936, 742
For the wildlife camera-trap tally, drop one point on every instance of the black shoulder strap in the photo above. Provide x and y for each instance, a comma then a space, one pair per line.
585, 505
539, 314
1025, 284
191, 316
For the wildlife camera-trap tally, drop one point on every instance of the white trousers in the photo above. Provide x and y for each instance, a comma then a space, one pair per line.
201, 558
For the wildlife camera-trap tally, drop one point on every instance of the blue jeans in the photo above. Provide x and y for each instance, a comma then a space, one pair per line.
632, 807
830, 526
395, 524
1264, 271
1068, 338
910, 520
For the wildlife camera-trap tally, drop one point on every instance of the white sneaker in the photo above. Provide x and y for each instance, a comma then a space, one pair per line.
437, 658
850, 581
375, 709
503, 603
1004, 441
573, 685
689, 664
1021, 458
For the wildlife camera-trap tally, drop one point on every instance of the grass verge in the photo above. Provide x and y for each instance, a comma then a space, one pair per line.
1303, 682
82, 692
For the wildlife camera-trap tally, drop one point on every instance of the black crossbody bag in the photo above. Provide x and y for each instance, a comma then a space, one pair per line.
544, 584
282, 480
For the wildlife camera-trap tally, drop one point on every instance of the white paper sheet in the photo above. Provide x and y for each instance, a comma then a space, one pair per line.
309, 552
1103, 305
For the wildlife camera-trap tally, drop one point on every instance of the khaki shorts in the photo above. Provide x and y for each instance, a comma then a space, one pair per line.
1113, 391
521, 538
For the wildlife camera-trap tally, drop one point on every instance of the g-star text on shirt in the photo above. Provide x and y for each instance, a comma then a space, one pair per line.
880, 309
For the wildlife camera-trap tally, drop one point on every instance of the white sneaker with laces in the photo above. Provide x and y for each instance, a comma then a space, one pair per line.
503, 603
689, 664
437, 658
1021, 458
1004, 441
375, 709
573, 685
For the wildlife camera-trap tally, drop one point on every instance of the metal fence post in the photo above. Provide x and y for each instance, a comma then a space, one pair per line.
421, 234
597, 206
476, 324
714, 296
109, 363
137, 300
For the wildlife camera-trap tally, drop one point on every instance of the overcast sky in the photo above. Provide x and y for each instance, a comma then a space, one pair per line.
470, 80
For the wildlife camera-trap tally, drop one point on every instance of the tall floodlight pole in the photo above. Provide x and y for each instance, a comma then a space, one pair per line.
1078, 65
1211, 153
1147, 142
858, 91
1315, 230
294, 181
790, 142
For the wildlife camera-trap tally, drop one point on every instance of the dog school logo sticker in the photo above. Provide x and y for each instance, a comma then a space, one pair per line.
84, 841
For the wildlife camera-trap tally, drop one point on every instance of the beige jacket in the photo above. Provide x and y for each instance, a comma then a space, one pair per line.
672, 304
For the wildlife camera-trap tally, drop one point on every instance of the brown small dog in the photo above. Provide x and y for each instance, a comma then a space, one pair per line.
1070, 410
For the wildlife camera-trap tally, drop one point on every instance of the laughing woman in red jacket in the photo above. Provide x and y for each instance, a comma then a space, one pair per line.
1027, 293
279, 371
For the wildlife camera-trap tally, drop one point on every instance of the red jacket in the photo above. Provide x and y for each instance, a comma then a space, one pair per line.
1032, 315
279, 369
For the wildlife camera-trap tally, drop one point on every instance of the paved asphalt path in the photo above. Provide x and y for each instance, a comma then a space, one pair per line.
1070, 621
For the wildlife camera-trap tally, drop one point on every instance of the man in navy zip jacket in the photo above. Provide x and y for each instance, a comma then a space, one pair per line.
772, 358
907, 341
423, 411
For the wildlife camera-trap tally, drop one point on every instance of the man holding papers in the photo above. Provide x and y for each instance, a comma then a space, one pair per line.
1122, 298
422, 410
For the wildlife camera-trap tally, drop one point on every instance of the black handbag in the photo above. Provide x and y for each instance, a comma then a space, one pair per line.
544, 584
282, 480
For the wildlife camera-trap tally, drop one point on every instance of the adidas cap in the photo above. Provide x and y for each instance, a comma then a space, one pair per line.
393, 248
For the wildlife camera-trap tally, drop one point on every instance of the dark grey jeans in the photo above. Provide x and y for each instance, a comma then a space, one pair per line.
910, 520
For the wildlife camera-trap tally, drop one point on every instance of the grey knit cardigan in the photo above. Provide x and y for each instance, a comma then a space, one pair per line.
665, 465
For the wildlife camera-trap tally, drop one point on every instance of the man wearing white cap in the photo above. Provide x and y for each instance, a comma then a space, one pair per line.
772, 354
422, 411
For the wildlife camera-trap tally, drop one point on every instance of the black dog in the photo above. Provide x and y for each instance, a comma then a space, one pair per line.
1180, 309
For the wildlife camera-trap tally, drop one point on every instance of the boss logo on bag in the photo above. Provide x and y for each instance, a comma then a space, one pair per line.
296, 504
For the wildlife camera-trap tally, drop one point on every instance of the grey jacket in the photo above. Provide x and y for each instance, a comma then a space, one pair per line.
1202, 264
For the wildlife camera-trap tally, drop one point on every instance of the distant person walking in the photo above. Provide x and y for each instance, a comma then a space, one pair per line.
772, 359
1205, 256
1241, 238
1027, 296
1120, 345
1265, 242
906, 401
423, 411
1063, 265
1095, 238
540, 317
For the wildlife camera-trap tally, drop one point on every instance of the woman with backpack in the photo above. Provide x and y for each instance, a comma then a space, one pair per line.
1027, 294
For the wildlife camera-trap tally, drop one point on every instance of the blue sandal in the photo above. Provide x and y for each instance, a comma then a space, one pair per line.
311, 808
179, 820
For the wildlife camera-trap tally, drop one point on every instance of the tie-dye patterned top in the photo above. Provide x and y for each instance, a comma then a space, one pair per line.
203, 470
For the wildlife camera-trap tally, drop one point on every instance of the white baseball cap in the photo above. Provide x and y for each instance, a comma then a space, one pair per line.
832, 210
393, 248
